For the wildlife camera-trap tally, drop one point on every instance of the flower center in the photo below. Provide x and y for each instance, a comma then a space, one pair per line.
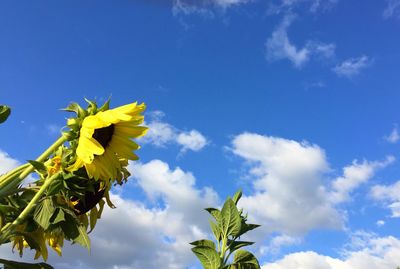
104, 135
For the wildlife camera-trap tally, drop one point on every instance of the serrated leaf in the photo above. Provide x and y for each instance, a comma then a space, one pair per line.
44, 212
245, 259
235, 245
237, 196
83, 238
5, 111
22, 265
215, 213
208, 257
230, 219
204, 243
39, 166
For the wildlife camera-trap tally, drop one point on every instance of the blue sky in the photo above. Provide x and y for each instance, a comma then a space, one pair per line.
294, 101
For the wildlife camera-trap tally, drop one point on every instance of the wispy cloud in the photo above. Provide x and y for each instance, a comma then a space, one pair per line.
203, 7
279, 46
394, 136
392, 9
314, 6
352, 67
389, 195
353, 176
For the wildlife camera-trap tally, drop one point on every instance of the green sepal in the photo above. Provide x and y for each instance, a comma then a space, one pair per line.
75, 107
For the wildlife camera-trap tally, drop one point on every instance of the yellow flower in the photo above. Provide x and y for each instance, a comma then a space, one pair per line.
105, 138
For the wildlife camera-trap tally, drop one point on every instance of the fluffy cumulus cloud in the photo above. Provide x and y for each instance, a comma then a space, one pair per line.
287, 184
353, 66
353, 176
392, 9
7, 162
279, 46
367, 252
161, 134
138, 235
389, 195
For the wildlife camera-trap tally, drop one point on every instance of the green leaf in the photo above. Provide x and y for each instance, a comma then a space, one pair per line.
237, 196
208, 257
230, 219
216, 230
204, 243
246, 227
93, 218
22, 265
83, 238
235, 245
43, 213
59, 216
245, 259
55, 186
7, 208
39, 166
4, 113
215, 213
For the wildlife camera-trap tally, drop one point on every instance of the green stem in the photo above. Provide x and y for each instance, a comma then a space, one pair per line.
10, 177
5, 231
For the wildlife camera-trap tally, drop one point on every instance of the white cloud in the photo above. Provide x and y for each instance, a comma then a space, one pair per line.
393, 137
161, 134
192, 140
278, 242
314, 6
136, 235
202, 7
392, 9
353, 176
380, 223
7, 163
369, 252
390, 195
287, 185
279, 47
352, 67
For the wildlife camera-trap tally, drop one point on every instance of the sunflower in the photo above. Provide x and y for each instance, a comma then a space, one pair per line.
105, 141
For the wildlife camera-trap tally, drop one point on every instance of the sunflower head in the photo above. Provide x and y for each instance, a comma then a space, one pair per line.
102, 139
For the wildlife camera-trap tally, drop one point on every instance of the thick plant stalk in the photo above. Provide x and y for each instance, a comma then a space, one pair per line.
7, 229
9, 178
